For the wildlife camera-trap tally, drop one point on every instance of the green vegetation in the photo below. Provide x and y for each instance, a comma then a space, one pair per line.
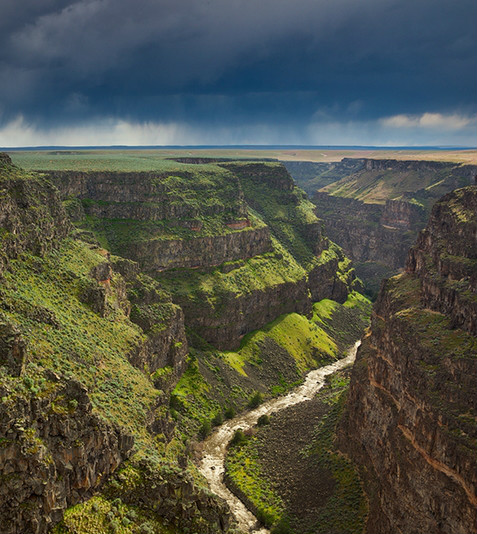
243, 470
215, 379
88, 330
248, 471
420, 184
345, 510
72, 339
100, 515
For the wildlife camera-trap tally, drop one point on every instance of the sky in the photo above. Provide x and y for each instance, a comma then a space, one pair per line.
195, 72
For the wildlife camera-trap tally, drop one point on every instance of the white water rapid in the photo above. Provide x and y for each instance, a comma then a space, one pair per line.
214, 448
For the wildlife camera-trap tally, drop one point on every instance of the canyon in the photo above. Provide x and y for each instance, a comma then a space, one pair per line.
375, 208
139, 310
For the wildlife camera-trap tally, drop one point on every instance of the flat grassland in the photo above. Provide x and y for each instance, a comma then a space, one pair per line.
162, 159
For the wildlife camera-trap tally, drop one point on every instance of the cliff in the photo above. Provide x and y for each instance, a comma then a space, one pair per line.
31, 215
376, 211
235, 244
411, 408
90, 346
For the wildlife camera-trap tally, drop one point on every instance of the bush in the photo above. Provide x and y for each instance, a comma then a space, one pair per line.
218, 419
229, 413
263, 420
146, 528
255, 400
282, 527
175, 402
265, 518
239, 438
205, 429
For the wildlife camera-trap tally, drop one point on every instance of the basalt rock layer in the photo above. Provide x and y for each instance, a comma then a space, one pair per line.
411, 409
54, 452
376, 210
90, 346
236, 244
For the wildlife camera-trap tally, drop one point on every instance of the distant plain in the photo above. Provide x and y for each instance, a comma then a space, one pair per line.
159, 159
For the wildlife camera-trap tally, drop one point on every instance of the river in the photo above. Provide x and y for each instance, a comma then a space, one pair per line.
214, 448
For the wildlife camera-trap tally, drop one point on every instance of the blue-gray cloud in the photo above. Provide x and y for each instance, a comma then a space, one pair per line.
236, 63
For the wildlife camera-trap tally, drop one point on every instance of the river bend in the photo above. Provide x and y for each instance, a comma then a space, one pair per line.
214, 448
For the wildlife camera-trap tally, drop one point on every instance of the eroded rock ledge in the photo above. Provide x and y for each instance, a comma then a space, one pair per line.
54, 452
411, 410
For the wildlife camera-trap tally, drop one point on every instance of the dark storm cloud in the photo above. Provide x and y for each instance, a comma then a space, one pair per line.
236, 61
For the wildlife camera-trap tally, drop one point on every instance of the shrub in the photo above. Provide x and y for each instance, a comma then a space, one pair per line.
239, 438
229, 413
146, 528
282, 527
263, 420
218, 419
255, 400
205, 429
266, 518
175, 402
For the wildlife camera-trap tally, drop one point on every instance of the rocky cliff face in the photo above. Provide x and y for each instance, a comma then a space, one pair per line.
213, 221
369, 232
445, 259
411, 410
209, 251
53, 453
377, 210
31, 216
86, 341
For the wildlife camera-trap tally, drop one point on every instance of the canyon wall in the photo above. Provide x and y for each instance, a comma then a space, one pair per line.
411, 409
86, 340
196, 230
376, 210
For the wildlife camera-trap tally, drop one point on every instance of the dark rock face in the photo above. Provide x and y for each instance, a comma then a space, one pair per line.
12, 348
248, 312
402, 214
31, 215
157, 255
445, 259
411, 409
54, 452
370, 232
176, 498
142, 195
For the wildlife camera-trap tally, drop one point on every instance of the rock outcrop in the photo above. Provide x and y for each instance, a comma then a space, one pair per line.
445, 259
208, 251
31, 214
411, 409
370, 232
54, 452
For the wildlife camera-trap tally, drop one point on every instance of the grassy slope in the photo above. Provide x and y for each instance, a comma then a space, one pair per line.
376, 186
292, 343
90, 348
83, 345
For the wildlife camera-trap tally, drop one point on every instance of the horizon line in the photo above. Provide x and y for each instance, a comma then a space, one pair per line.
239, 147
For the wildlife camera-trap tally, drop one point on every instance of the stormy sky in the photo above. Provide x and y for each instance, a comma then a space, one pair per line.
360, 72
